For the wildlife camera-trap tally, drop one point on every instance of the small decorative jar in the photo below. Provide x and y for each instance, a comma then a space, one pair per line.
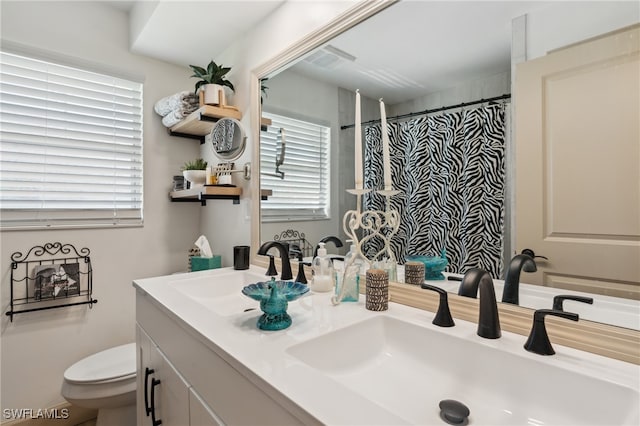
377, 290
414, 273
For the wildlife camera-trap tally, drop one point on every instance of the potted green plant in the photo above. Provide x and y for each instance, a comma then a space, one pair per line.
195, 172
212, 81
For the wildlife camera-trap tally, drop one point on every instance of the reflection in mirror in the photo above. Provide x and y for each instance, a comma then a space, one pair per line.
319, 89
228, 139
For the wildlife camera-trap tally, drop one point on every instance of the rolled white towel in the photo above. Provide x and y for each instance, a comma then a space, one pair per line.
171, 103
177, 115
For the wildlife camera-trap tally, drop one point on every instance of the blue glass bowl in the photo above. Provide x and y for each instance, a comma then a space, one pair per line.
433, 266
274, 297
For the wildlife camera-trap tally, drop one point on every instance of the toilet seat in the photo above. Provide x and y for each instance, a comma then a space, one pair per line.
114, 364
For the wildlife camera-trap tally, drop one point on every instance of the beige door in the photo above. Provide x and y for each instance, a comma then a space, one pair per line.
577, 144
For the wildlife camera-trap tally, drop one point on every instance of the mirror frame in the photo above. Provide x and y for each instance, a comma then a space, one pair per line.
602, 339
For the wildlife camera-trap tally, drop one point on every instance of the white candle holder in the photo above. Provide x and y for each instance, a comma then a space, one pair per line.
375, 224
383, 224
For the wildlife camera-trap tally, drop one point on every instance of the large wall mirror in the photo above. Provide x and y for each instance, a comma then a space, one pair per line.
444, 54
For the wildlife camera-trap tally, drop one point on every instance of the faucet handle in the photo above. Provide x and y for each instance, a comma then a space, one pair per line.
557, 300
301, 277
295, 253
443, 316
538, 341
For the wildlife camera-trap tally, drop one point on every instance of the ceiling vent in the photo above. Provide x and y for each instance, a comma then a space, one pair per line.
329, 57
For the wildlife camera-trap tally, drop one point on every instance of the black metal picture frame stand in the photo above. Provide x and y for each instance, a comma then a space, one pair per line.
50, 276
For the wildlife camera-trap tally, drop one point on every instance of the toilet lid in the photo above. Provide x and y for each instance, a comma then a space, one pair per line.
109, 364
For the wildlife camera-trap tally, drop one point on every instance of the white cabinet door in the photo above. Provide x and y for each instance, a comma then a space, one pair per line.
578, 165
164, 394
145, 347
201, 414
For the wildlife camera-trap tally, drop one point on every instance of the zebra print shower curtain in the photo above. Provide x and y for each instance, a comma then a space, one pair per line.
450, 169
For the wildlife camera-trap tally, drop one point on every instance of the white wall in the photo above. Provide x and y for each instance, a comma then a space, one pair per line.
37, 347
478, 88
563, 23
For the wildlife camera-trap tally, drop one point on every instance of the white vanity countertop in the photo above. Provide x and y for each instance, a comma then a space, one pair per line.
251, 351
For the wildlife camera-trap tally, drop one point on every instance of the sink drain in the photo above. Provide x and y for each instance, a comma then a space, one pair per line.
454, 412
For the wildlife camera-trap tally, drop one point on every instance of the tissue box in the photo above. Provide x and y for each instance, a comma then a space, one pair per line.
199, 263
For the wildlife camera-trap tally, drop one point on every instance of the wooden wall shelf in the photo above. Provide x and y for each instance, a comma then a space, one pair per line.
265, 123
199, 123
265, 194
202, 194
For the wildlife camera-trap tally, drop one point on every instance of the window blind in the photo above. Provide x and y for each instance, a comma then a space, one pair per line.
303, 194
70, 146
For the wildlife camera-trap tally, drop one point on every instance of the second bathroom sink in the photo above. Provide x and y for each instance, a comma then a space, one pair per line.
408, 369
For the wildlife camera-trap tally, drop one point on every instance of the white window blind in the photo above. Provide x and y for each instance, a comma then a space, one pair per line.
70, 146
303, 194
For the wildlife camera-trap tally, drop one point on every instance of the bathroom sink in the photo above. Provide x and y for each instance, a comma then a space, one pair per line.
408, 369
222, 292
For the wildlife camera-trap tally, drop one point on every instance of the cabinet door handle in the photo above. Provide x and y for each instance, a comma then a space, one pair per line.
154, 422
147, 372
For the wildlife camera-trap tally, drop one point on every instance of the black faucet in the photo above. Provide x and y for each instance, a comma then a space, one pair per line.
538, 341
443, 316
557, 300
511, 291
335, 240
295, 253
475, 280
284, 257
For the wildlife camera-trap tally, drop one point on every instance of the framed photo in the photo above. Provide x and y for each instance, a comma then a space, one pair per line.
56, 280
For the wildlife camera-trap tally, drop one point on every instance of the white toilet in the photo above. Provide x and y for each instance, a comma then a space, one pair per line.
105, 381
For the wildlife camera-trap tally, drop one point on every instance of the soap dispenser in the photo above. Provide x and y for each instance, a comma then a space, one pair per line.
348, 280
322, 269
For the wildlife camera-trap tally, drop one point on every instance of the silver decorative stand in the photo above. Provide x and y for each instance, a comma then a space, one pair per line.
374, 224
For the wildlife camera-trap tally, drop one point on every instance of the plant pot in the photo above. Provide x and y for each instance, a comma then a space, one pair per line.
195, 177
214, 94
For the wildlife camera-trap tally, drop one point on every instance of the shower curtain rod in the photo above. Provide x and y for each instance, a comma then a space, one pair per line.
430, 111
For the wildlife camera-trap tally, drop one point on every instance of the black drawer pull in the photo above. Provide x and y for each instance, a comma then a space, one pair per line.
154, 383
147, 372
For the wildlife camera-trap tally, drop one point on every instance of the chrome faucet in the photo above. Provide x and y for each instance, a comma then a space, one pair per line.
511, 291
479, 280
284, 257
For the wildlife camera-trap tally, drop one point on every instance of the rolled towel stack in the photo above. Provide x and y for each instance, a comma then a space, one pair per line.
173, 109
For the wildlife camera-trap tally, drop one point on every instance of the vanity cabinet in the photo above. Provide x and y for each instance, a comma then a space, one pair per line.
200, 385
166, 394
163, 394
199, 413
